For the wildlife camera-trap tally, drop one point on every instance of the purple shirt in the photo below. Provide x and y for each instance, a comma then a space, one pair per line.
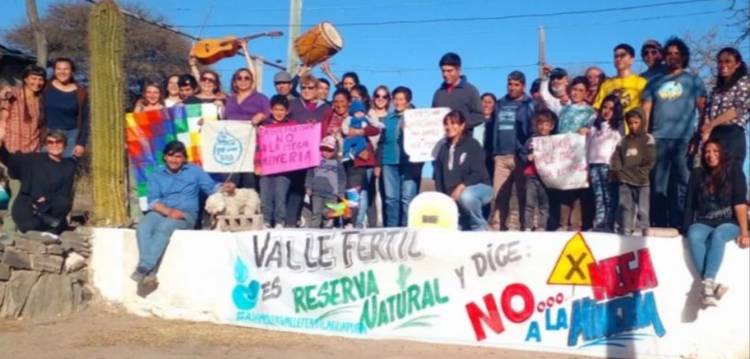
250, 106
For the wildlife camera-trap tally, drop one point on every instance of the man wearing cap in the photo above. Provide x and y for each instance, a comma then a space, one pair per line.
626, 85
187, 85
456, 92
511, 129
652, 55
554, 89
285, 85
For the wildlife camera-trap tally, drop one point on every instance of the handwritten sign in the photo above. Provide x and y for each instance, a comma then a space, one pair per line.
561, 160
288, 147
423, 129
228, 146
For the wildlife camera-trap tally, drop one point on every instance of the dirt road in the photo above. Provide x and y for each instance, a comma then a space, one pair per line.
103, 331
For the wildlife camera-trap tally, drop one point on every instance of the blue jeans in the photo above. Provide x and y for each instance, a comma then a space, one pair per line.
470, 204
153, 234
605, 197
273, 192
671, 169
401, 185
363, 200
706, 246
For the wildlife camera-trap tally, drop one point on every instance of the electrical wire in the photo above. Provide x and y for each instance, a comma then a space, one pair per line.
468, 19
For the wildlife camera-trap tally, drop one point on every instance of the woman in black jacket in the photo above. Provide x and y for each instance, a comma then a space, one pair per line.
460, 172
715, 213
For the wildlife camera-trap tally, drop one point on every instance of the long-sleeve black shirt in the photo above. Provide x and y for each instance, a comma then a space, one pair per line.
716, 208
466, 165
40, 176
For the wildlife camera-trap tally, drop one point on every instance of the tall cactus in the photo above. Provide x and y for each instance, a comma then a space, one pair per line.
106, 36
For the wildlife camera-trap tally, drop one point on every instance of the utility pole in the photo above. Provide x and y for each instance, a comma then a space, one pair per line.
39, 36
295, 19
542, 61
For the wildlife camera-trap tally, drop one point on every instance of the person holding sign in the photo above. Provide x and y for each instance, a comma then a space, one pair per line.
715, 213
400, 176
246, 104
461, 174
274, 188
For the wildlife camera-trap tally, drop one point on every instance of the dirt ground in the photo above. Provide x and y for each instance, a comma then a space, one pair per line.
104, 331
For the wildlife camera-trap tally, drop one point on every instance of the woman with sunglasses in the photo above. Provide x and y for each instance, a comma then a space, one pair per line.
246, 104
307, 108
372, 194
209, 85
46, 194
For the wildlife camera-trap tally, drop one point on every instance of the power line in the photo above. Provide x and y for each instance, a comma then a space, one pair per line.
465, 19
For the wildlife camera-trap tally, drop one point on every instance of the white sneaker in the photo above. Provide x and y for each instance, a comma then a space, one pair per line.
278, 226
266, 225
709, 290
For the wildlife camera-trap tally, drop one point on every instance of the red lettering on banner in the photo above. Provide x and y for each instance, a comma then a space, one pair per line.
528, 302
477, 317
491, 317
613, 277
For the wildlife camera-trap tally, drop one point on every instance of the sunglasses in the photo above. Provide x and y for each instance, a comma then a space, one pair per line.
308, 87
384, 97
209, 79
54, 142
244, 78
651, 52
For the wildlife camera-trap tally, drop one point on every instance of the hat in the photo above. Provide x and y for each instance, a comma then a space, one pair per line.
282, 76
558, 73
651, 43
356, 106
328, 142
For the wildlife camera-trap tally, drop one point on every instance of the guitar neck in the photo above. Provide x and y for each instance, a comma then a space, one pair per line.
262, 34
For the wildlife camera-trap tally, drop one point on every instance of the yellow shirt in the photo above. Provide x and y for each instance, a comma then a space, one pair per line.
628, 89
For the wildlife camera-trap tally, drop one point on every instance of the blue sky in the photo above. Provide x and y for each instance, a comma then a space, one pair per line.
407, 54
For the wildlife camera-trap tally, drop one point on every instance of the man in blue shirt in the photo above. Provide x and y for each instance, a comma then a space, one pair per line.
510, 130
173, 204
672, 103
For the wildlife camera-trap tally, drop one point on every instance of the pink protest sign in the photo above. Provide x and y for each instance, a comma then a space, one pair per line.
284, 148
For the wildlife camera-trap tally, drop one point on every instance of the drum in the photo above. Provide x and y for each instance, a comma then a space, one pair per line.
318, 44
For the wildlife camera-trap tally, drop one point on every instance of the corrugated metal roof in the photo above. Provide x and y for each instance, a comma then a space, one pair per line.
8, 52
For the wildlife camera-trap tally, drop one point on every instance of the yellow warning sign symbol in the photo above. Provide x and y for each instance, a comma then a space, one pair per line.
572, 265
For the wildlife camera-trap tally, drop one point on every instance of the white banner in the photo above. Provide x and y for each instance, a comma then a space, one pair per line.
560, 160
228, 146
584, 294
423, 129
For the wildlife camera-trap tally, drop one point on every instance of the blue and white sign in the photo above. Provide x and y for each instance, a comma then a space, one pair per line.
228, 146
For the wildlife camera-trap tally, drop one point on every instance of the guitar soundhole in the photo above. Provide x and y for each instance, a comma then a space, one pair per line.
430, 219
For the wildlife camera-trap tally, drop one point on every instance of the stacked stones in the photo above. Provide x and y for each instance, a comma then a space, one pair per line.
43, 275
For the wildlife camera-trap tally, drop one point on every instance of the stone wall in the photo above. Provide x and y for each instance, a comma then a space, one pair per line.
43, 275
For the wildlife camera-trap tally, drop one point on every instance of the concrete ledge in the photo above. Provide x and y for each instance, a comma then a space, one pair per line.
488, 289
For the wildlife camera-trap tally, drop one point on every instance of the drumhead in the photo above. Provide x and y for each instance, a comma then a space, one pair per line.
330, 33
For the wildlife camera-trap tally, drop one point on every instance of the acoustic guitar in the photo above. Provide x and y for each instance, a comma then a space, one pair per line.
210, 51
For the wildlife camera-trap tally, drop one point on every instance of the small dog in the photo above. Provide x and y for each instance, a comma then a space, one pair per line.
244, 201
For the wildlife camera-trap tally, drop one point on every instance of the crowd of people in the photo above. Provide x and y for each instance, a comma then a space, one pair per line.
662, 150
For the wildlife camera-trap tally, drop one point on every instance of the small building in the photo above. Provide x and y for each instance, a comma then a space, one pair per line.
12, 64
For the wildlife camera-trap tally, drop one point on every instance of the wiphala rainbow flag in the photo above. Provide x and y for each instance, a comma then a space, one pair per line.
146, 134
